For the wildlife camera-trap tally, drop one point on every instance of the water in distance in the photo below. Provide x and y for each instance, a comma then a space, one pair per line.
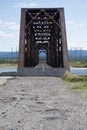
8, 69
79, 71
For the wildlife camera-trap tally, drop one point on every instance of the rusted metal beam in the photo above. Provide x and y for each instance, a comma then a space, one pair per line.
36, 24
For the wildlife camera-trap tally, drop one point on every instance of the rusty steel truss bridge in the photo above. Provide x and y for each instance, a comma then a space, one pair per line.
42, 29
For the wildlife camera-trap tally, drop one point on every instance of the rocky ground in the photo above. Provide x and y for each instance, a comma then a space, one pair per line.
41, 103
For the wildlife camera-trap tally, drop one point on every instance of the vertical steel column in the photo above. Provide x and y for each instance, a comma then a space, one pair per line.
64, 39
28, 47
22, 39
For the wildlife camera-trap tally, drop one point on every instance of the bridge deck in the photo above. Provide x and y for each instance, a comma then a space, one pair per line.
41, 70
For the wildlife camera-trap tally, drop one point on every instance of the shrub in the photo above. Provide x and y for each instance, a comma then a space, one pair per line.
72, 77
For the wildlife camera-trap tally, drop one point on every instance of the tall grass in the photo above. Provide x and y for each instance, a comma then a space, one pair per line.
80, 80
74, 78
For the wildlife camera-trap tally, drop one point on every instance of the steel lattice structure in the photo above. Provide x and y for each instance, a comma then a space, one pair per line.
43, 29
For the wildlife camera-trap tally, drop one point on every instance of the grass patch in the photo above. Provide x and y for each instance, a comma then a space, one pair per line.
78, 63
80, 87
8, 62
73, 78
8, 65
81, 81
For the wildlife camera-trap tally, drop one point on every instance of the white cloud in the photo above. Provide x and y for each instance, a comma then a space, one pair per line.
33, 4
74, 24
20, 5
71, 22
14, 27
80, 25
7, 35
0, 21
10, 25
24, 4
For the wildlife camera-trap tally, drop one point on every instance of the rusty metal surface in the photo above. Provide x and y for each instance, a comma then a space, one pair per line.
43, 29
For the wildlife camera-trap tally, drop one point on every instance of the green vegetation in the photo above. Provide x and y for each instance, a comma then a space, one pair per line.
81, 81
78, 63
80, 87
74, 78
8, 62
72, 63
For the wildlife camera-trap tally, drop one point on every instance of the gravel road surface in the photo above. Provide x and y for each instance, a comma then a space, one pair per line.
41, 103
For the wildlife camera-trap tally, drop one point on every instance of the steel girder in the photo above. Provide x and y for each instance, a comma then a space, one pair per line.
43, 29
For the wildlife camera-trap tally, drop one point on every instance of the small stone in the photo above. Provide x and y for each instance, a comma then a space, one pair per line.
81, 129
19, 121
3, 112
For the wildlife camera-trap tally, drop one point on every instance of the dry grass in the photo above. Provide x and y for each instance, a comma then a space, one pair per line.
73, 78
80, 80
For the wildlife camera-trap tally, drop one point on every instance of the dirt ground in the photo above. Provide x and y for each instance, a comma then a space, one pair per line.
41, 103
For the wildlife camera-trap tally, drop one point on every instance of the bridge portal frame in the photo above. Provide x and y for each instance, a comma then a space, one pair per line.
25, 24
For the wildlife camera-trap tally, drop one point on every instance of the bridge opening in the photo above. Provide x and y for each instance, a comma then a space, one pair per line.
42, 56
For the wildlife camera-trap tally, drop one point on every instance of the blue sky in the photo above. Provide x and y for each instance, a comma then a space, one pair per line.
75, 16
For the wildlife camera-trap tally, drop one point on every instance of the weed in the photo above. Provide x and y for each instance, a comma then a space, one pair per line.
73, 78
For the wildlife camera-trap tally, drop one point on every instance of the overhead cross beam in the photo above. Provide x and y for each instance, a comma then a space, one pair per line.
51, 18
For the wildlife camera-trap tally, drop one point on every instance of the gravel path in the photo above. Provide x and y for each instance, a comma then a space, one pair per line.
41, 103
